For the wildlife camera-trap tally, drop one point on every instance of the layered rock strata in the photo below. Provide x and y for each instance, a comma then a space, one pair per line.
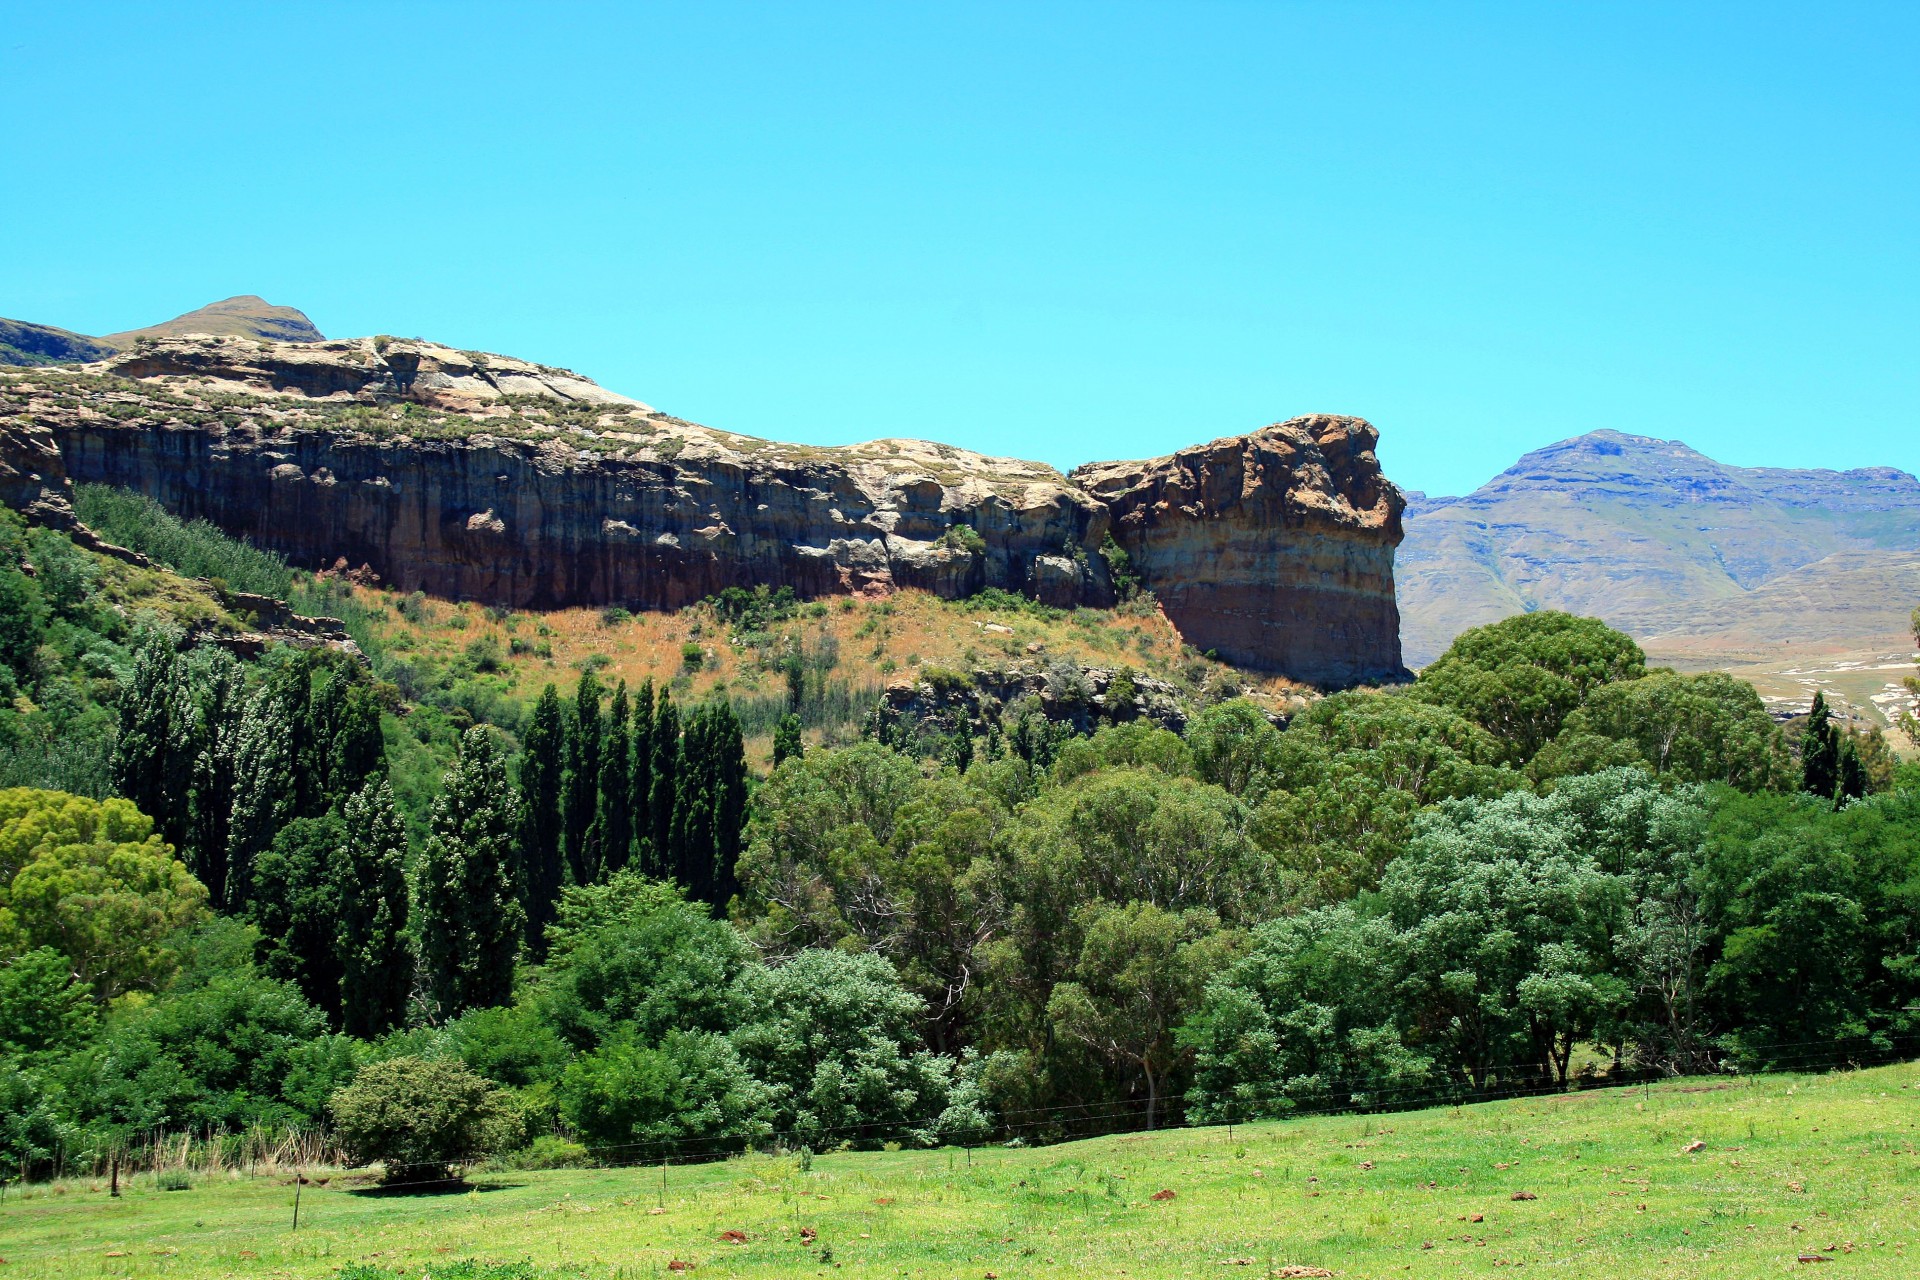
1274, 550
481, 477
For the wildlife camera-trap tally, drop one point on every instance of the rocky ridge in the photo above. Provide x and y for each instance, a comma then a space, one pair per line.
478, 476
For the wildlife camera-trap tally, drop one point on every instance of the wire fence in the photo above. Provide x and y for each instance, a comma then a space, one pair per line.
290, 1151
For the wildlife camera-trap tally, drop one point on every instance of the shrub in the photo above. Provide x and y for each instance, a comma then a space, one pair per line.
692, 655
417, 1117
613, 616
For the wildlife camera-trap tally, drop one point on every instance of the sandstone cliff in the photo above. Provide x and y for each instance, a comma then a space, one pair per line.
482, 477
1274, 549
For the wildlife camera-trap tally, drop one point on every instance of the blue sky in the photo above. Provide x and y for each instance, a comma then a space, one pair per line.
1068, 232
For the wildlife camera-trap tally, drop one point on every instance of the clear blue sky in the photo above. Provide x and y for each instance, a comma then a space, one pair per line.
1059, 231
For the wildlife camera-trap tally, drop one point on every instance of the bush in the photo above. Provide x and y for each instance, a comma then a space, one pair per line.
417, 1117
692, 655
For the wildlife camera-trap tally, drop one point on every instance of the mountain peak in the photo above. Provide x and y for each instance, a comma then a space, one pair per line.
243, 316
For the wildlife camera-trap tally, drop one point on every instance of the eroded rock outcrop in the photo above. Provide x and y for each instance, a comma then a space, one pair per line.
481, 477
1273, 549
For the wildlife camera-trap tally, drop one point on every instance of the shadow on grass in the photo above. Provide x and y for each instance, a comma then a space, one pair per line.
438, 1187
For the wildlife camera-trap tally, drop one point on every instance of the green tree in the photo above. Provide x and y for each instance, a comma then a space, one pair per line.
217, 693
788, 744
1506, 923
542, 777
470, 918
265, 794
1820, 752
640, 777
420, 1118
44, 1010
92, 880
358, 753
149, 766
21, 615
1139, 973
1701, 728
1813, 917
633, 955
1309, 1016
616, 779
1520, 678
236, 1051
583, 781
665, 787
297, 903
837, 1039
376, 968
691, 1087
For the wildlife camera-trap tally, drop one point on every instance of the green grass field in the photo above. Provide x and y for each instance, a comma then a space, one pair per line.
1792, 1166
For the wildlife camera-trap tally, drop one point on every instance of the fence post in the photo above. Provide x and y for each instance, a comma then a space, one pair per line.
113, 1174
298, 1178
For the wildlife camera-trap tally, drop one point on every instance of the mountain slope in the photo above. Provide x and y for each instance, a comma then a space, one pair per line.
22, 343
1652, 536
245, 316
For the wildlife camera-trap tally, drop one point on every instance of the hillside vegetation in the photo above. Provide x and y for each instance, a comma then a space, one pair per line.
1788, 1169
395, 909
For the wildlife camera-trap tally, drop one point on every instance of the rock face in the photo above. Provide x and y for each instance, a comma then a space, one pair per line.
1273, 549
481, 477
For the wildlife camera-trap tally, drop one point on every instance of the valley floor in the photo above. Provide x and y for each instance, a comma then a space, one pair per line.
1793, 1168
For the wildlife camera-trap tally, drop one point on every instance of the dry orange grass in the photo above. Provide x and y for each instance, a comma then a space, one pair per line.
875, 642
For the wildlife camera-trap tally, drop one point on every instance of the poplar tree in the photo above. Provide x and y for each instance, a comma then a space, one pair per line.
376, 968
358, 752
616, 781
217, 693
1820, 752
728, 755
788, 744
640, 777
148, 766
542, 778
470, 914
583, 779
326, 712
690, 837
265, 796
662, 792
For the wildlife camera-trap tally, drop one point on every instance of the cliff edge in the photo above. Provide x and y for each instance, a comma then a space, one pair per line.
478, 476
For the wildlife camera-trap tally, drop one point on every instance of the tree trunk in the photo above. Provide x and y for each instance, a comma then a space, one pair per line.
1153, 1092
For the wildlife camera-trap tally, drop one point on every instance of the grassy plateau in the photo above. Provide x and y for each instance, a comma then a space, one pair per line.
1790, 1171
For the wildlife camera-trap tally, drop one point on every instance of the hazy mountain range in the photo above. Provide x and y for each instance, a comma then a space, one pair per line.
1666, 543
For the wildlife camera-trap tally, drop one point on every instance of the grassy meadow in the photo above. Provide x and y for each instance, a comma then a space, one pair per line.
1598, 1184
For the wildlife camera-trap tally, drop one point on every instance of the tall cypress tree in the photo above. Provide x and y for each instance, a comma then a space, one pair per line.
1850, 774
358, 753
1820, 751
690, 836
296, 901
616, 779
788, 743
542, 779
376, 968
217, 691
152, 763
640, 778
326, 713
265, 797
665, 784
583, 779
727, 750
468, 903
